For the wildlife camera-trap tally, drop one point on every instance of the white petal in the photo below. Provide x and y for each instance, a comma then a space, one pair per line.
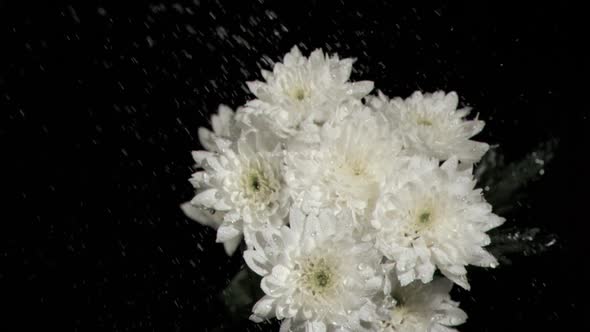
480, 257
286, 326
441, 328
231, 245
293, 58
206, 139
254, 87
460, 280
296, 220
264, 307
206, 198
342, 72
256, 261
315, 327
453, 316
361, 88
200, 215
200, 156
227, 232
270, 285
280, 273
222, 121
451, 100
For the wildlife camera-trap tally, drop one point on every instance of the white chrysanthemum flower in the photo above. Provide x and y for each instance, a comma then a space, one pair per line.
431, 217
420, 307
343, 171
315, 274
431, 125
241, 182
301, 89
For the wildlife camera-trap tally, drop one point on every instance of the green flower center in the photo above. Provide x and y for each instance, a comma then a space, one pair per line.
257, 186
424, 217
299, 94
322, 278
317, 276
255, 182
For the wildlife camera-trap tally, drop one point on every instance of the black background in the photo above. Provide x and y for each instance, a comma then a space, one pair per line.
100, 105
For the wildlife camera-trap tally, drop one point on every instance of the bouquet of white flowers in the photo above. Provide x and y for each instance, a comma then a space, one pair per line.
348, 203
